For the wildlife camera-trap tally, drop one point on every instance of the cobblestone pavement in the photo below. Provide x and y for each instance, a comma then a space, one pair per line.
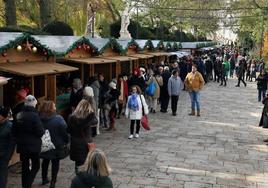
221, 149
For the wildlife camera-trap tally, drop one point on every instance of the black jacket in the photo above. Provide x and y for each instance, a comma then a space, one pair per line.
262, 82
28, 131
164, 90
58, 132
85, 180
76, 97
139, 81
80, 131
6, 140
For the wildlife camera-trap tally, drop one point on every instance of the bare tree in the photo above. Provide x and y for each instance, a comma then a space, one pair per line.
10, 13
44, 9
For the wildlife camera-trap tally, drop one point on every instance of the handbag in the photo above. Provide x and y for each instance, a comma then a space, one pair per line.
144, 118
150, 89
47, 144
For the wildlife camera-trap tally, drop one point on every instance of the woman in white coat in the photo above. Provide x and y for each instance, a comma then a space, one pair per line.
136, 106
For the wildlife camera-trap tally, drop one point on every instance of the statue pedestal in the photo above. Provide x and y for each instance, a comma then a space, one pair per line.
125, 35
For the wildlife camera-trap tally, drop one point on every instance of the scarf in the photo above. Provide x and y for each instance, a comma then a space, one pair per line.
133, 102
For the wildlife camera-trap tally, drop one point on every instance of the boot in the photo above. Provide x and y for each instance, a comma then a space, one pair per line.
52, 184
198, 113
192, 113
112, 127
45, 181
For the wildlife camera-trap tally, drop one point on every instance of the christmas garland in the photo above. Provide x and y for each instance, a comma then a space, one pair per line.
31, 43
80, 43
132, 44
168, 46
149, 45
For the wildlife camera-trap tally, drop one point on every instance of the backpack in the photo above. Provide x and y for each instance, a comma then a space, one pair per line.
150, 89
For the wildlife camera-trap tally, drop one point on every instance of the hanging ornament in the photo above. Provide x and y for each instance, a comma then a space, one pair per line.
147, 46
88, 47
19, 48
34, 49
79, 47
85, 46
45, 53
4, 54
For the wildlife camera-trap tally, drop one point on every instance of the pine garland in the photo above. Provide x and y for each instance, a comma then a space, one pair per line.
21, 39
75, 45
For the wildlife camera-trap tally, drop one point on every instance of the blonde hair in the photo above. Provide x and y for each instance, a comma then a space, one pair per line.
47, 108
83, 109
96, 163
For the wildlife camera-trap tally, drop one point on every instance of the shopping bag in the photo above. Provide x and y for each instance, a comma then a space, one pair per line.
46, 142
145, 123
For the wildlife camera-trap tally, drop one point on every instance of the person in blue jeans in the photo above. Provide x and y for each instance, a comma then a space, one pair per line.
194, 82
7, 145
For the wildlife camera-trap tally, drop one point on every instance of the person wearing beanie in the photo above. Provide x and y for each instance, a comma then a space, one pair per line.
88, 94
19, 98
7, 145
28, 131
164, 96
137, 79
110, 104
76, 93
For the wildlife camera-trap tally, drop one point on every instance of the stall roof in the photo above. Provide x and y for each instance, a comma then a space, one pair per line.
58, 44
35, 68
159, 54
142, 56
180, 54
6, 37
93, 60
156, 43
122, 58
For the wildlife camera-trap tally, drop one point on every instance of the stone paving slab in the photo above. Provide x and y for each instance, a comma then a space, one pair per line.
221, 149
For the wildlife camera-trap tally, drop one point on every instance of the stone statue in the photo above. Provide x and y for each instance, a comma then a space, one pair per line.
125, 21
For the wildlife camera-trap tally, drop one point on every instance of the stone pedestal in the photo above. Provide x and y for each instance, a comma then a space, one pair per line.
124, 35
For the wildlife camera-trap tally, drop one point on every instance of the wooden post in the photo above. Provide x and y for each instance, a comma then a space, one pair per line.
45, 77
32, 82
118, 68
131, 66
1, 95
111, 70
82, 72
51, 87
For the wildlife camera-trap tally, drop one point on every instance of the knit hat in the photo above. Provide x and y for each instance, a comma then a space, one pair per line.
30, 101
4, 111
166, 68
22, 93
88, 92
142, 69
112, 85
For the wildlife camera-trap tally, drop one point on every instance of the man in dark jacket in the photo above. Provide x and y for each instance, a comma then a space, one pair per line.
138, 80
241, 73
6, 145
28, 132
103, 89
76, 94
164, 90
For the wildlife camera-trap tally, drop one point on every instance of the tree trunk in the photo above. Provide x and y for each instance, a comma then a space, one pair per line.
45, 16
10, 13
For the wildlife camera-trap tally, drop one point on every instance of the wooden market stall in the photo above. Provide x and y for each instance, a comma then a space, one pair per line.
31, 65
3, 81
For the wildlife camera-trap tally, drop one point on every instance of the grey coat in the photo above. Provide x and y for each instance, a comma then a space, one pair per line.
96, 90
175, 86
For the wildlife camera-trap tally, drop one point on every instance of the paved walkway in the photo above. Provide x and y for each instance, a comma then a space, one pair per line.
221, 149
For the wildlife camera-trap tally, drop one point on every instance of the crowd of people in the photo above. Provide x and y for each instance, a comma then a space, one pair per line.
96, 104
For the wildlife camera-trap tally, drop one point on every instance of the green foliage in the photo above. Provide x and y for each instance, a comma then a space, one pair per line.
58, 28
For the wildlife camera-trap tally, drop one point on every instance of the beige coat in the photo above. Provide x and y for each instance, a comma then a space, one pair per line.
158, 81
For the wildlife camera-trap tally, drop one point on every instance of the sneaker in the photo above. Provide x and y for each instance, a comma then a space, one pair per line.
130, 136
137, 135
